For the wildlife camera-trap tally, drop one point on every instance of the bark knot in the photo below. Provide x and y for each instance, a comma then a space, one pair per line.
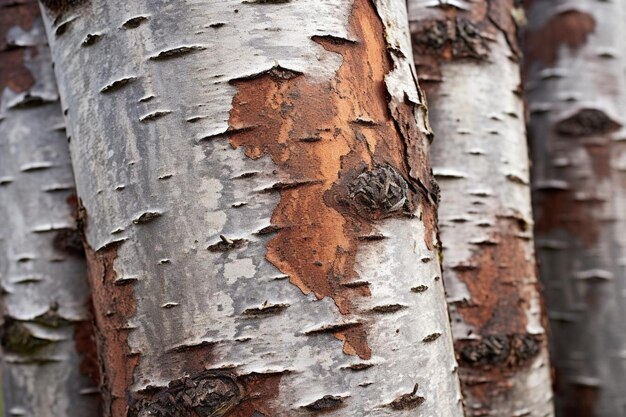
587, 122
451, 39
208, 394
379, 193
17, 337
500, 349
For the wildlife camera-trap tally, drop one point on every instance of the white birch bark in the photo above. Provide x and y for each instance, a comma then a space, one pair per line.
576, 99
42, 268
149, 87
466, 54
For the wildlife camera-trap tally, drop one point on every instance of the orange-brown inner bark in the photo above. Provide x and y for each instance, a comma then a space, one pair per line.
115, 305
501, 281
314, 132
502, 284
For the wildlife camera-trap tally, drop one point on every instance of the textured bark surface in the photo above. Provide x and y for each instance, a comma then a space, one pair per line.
259, 207
575, 72
47, 345
467, 59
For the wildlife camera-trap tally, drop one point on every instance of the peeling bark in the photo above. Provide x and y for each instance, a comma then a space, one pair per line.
48, 347
467, 58
260, 208
576, 96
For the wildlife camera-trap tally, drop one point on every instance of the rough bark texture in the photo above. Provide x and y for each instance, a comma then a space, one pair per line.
259, 206
467, 58
575, 72
47, 345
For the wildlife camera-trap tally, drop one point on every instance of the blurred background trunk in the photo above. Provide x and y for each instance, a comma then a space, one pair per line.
48, 351
576, 94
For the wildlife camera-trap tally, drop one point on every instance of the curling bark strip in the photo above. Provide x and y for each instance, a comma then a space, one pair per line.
260, 208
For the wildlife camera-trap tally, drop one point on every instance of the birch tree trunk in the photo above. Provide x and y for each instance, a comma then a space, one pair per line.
45, 333
468, 57
259, 208
576, 94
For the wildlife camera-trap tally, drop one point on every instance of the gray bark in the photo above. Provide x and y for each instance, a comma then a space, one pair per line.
149, 87
467, 56
42, 267
576, 97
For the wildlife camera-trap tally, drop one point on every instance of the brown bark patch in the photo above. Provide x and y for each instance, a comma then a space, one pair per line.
333, 167
194, 357
114, 305
501, 283
13, 73
559, 209
570, 28
261, 390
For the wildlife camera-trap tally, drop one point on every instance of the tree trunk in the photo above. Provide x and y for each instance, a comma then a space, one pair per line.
467, 56
46, 337
576, 92
258, 206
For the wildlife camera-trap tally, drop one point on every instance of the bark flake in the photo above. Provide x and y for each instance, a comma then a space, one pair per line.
135, 22
326, 403
408, 401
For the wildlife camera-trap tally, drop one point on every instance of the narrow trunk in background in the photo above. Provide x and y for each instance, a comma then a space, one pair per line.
45, 334
467, 57
259, 207
576, 93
